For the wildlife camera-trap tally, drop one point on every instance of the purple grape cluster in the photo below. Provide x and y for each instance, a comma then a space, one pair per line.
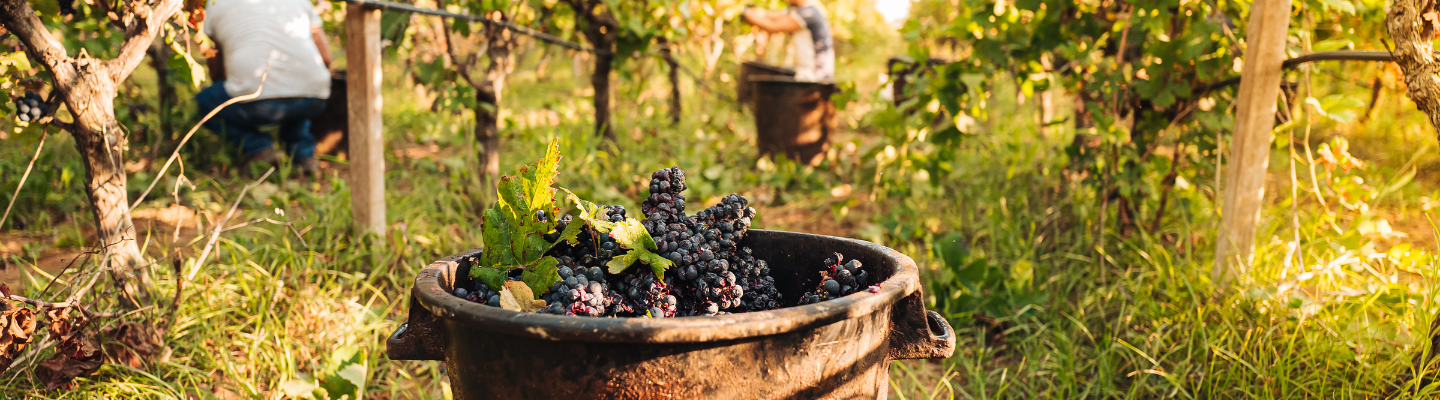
643, 295
581, 291
666, 204
30, 107
759, 287
714, 274
484, 294
837, 280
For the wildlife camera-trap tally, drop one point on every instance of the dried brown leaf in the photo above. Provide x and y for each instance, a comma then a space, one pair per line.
61, 370
516, 296
17, 328
131, 343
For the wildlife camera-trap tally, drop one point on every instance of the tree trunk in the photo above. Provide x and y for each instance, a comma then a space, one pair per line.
600, 81
88, 88
487, 94
600, 29
101, 143
1411, 27
487, 134
165, 99
674, 80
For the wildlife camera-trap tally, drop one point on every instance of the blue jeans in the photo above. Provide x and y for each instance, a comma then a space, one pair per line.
240, 123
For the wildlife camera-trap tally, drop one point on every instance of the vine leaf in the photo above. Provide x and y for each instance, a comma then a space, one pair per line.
491, 277
516, 296
629, 234
542, 275
513, 231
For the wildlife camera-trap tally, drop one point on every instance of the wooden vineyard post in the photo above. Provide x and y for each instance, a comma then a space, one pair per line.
367, 144
1250, 148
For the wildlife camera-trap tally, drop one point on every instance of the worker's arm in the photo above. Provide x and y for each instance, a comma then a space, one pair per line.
771, 21
320, 43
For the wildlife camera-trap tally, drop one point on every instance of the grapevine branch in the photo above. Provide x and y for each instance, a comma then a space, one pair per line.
64, 304
1412, 25
1344, 55
545, 37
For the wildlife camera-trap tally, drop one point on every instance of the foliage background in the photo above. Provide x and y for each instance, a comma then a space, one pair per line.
1060, 200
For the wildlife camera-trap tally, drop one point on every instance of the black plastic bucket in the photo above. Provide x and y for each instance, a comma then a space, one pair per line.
840, 348
794, 118
751, 70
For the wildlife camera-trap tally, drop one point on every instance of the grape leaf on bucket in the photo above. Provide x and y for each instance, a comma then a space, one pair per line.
514, 228
516, 296
628, 233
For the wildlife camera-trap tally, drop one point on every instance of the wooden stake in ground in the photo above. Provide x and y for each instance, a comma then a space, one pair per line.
367, 143
1250, 148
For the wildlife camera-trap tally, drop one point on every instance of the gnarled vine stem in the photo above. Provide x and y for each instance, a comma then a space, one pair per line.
1413, 24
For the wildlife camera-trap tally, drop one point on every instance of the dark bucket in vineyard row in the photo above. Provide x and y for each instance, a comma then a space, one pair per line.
793, 118
841, 348
745, 85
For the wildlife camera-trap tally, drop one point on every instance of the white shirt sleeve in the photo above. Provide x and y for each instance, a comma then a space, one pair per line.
314, 16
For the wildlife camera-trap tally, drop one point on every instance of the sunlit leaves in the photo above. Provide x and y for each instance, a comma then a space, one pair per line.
628, 233
515, 226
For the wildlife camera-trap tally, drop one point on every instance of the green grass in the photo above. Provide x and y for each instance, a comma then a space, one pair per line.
1338, 315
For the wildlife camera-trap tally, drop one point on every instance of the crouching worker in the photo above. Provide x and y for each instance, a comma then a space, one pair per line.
281, 43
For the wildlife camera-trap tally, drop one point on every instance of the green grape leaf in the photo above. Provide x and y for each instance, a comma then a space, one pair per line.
589, 212
521, 196
541, 276
181, 61
630, 234
571, 233
514, 234
492, 277
16, 60
497, 239
657, 263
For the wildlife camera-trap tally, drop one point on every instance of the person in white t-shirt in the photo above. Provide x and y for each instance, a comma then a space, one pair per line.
813, 46
279, 42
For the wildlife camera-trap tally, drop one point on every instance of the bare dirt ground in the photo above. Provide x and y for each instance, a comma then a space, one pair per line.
161, 230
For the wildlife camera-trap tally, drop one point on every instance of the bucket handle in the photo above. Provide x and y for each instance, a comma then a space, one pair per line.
420, 338
916, 333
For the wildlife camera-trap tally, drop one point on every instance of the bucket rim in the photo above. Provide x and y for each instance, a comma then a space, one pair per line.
769, 67
431, 294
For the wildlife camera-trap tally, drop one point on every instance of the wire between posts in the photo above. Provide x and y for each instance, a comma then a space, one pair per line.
552, 39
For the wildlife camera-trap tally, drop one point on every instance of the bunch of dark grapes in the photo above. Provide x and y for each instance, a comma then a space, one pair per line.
581, 291
30, 107
67, 7
642, 295
712, 274
837, 281
754, 279
484, 294
666, 204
